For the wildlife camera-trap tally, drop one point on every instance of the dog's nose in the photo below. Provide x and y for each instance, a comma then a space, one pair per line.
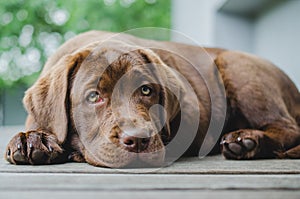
134, 144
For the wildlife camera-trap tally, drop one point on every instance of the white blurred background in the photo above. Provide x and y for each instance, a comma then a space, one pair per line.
268, 28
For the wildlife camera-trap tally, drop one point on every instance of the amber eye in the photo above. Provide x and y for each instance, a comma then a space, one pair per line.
146, 90
94, 97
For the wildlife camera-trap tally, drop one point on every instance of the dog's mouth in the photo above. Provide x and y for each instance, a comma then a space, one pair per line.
125, 152
130, 160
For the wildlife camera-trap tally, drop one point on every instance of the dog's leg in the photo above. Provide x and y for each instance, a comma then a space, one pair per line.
273, 129
34, 147
273, 142
293, 153
266, 98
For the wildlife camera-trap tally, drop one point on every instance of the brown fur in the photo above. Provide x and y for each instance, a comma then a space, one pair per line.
263, 105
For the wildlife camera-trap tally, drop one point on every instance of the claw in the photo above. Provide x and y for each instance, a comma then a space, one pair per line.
223, 142
50, 149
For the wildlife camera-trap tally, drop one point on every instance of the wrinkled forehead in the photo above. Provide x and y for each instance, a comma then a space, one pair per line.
108, 64
104, 55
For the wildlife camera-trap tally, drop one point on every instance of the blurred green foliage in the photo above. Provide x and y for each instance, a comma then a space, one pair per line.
31, 30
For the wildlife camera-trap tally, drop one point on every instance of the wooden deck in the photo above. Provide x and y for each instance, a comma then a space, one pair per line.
211, 177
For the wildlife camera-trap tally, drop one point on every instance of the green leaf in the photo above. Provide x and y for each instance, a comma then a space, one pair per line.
31, 30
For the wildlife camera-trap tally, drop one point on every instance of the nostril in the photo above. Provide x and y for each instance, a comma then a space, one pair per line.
129, 141
145, 140
135, 144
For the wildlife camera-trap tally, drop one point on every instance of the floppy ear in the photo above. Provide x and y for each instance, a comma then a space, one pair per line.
47, 100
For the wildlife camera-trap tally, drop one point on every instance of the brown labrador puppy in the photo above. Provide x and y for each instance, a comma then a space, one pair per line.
99, 99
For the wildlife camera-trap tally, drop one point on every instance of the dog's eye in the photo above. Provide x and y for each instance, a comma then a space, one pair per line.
94, 97
146, 90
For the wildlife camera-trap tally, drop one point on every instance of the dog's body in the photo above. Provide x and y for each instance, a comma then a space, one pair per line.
65, 121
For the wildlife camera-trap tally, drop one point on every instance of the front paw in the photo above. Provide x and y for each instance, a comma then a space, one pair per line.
33, 147
241, 144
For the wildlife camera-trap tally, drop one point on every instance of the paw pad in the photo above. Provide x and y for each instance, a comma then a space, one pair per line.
239, 145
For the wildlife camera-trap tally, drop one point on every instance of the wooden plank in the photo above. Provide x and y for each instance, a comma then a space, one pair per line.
133, 182
188, 178
232, 194
208, 165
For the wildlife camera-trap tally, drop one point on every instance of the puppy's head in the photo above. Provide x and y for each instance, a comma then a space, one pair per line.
121, 106
120, 100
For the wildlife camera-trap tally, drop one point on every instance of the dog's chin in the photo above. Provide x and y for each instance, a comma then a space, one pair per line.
128, 159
